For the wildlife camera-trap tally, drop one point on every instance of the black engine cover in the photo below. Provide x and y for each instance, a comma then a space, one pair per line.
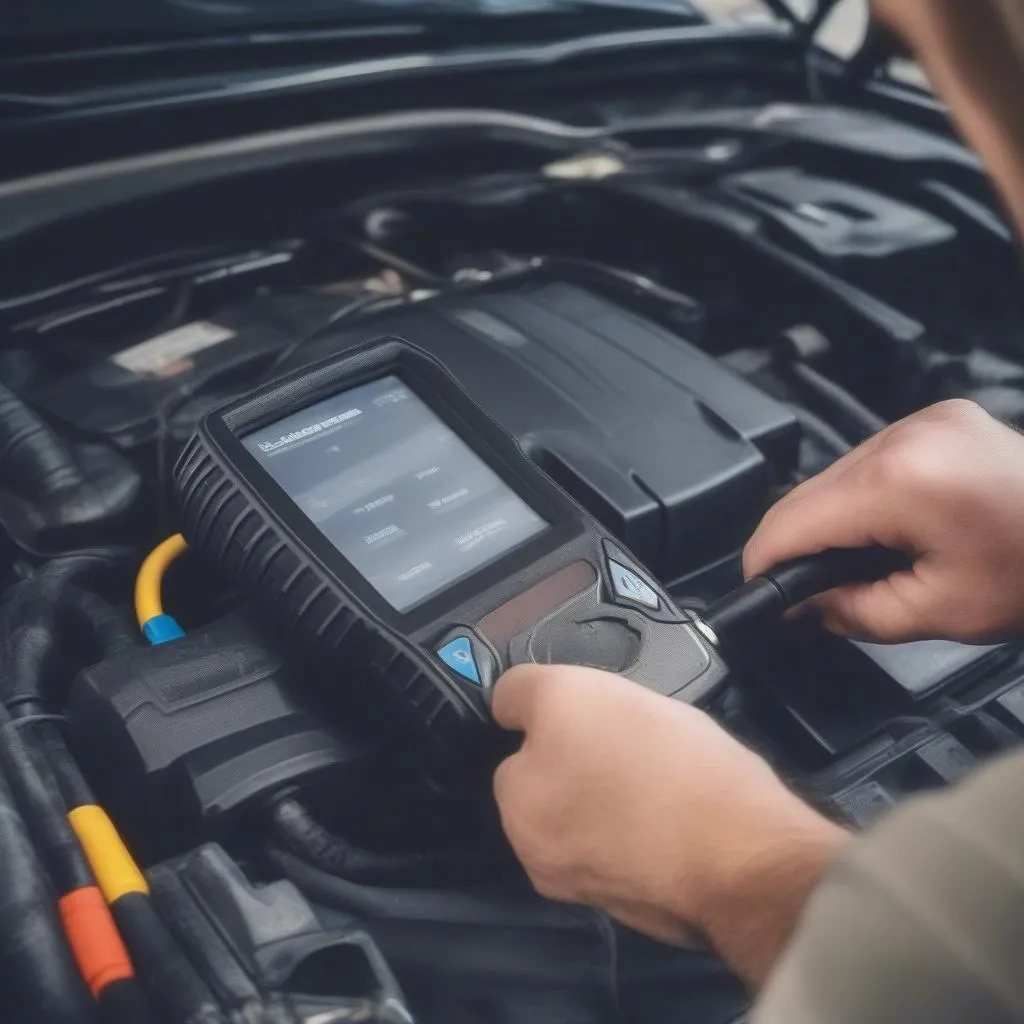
672, 451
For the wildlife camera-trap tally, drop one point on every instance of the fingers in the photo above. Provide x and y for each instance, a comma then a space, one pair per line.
885, 612
847, 508
843, 516
785, 519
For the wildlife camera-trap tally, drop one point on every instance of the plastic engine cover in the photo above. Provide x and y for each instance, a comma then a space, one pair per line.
672, 451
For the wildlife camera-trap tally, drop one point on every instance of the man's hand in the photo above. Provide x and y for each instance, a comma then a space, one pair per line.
945, 485
643, 807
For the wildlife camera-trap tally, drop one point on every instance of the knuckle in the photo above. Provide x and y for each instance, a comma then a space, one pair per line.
916, 460
888, 468
932, 422
928, 471
955, 411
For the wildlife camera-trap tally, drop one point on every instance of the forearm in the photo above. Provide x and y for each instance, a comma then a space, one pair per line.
762, 888
973, 53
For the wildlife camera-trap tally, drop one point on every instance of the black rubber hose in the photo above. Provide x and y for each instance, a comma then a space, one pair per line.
90, 567
32, 457
162, 968
35, 617
38, 975
36, 792
34, 620
71, 783
57, 495
769, 596
834, 403
45, 778
510, 905
298, 831
823, 434
120, 1001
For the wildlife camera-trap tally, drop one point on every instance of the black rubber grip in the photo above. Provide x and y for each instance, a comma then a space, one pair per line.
804, 578
770, 595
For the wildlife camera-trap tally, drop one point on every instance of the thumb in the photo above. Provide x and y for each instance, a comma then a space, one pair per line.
515, 697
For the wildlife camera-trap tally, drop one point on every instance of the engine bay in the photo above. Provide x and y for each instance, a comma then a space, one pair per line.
679, 321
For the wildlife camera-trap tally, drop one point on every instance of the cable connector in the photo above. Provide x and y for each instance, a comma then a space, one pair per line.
162, 628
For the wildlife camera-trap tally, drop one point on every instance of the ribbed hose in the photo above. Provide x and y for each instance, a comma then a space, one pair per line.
32, 457
92, 568
35, 617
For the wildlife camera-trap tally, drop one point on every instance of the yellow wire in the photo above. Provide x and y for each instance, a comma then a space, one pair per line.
148, 602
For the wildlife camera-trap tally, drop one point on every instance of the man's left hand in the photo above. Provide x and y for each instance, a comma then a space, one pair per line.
644, 807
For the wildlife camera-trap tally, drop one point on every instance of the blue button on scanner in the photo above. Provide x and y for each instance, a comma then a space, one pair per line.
457, 654
629, 585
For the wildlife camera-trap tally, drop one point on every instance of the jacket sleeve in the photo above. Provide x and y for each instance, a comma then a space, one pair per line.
920, 919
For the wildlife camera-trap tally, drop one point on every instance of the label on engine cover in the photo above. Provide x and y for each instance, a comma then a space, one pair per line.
158, 355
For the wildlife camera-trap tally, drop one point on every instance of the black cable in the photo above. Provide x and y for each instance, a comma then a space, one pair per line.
769, 596
77, 284
173, 403
164, 971
345, 312
299, 831
87, 924
823, 434
38, 975
33, 620
36, 792
833, 402
609, 275
510, 905
164, 412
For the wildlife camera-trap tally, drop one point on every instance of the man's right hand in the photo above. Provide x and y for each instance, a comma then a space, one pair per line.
946, 486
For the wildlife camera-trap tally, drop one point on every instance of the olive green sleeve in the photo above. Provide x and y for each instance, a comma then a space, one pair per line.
920, 919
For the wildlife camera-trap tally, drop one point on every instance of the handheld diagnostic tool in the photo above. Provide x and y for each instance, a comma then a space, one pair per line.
371, 504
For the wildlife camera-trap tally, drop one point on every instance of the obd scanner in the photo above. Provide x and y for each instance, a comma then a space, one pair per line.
378, 513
